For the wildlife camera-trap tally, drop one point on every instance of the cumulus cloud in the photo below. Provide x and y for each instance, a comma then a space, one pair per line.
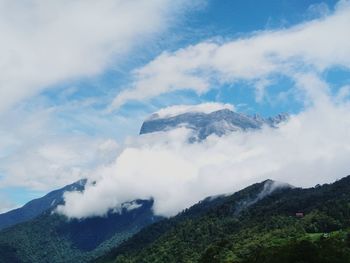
46, 42
312, 46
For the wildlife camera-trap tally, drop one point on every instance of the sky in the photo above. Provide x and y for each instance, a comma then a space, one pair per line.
78, 78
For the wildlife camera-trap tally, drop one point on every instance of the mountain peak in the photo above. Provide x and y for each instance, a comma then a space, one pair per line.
204, 123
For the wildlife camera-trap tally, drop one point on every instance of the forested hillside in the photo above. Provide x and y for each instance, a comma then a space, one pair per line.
54, 238
288, 225
264, 223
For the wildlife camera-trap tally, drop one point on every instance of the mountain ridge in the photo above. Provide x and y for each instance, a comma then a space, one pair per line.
84, 239
281, 227
38, 206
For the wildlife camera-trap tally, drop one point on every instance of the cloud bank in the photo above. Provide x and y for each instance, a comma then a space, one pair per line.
311, 148
47, 42
312, 46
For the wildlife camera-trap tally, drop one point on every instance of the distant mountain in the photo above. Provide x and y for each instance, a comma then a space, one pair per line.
219, 122
36, 225
36, 207
51, 237
255, 225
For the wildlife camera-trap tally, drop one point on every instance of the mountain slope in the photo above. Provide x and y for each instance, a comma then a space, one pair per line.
53, 238
204, 124
38, 206
268, 230
214, 207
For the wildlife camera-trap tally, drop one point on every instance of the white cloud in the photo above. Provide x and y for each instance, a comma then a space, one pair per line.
55, 162
37, 155
46, 42
311, 148
180, 109
309, 47
60, 43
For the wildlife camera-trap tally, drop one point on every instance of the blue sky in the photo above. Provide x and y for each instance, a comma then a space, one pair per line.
65, 104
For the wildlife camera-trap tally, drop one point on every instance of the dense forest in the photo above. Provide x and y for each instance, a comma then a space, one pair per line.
263, 223
288, 225
51, 237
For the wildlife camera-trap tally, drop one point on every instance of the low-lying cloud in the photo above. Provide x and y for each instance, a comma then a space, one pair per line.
312, 147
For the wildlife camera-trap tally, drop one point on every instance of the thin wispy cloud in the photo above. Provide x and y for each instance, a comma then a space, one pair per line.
308, 47
47, 43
